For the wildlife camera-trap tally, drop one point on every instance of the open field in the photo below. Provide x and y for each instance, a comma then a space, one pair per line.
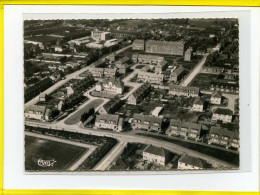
75, 118
63, 154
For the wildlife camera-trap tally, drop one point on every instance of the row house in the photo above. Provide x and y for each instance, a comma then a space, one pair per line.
186, 130
147, 122
152, 78
191, 163
109, 121
223, 137
111, 85
110, 72
183, 91
97, 72
32, 91
137, 96
156, 155
225, 87
222, 114
147, 59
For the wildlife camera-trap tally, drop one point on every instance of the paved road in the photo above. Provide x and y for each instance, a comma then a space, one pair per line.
68, 77
81, 160
194, 71
127, 82
135, 138
110, 157
198, 67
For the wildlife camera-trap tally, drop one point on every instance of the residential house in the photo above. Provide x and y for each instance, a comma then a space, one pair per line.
139, 94
188, 55
138, 44
97, 64
97, 72
37, 112
223, 137
161, 66
186, 130
222, 114
156, 155
150, 77
147, 59
60, 105
146, 122
109, 121
42, 97
177, 74
112, 57
191, 163
110, 72
123, 60
183, 91
216, 97
232, 88
69, 91
123, 69
198, 104
156, 111
111, 85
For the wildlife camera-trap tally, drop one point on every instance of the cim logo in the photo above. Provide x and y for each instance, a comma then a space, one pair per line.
46, 163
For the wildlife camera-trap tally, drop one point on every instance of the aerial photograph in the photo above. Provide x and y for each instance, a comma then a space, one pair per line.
131, 95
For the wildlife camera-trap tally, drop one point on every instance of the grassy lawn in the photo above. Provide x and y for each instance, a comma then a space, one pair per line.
203, 81
75, 118
214, 152
63, 154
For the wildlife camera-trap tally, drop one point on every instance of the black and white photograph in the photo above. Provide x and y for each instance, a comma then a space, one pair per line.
131, 95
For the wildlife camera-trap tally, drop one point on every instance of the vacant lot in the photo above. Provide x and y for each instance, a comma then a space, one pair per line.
75, 118
63, 154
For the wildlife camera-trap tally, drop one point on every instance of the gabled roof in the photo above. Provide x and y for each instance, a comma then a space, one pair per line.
122, 60
147, 118
199, 101
216, 94
186, 89
224, 132
115, 81
110, 70
192, 161
177, 72
42, 95
156, 151
141, 90
223, 111
107, 117
138, 41
36, 108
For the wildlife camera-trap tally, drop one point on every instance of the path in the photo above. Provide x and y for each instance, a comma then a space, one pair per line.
110, 157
